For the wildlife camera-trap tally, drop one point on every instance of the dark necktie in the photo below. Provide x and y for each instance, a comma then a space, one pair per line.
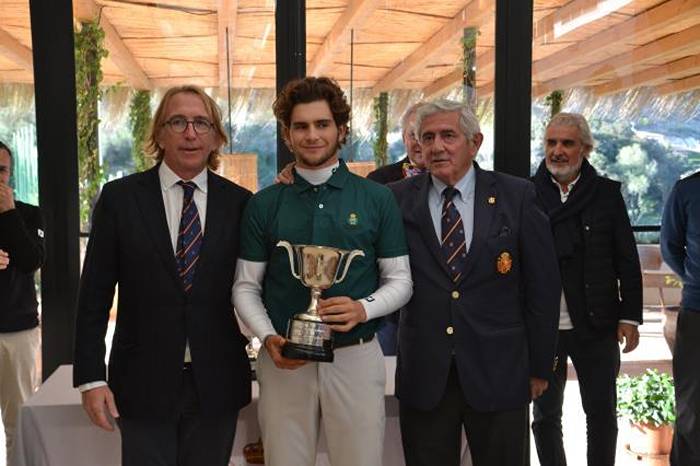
189, 238
452, 242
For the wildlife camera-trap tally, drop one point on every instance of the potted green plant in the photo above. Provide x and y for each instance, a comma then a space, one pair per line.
648, 402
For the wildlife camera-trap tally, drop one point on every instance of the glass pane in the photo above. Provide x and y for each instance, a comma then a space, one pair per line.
17, 120
226, 47
409, 49
631, 68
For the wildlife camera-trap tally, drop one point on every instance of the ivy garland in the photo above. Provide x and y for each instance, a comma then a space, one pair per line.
89, 52
469, 65
554, 101
381, 128
140, 121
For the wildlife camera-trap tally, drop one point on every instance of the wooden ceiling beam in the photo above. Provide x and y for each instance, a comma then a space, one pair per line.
545, 29
674, 43
681, 13
543, 33
356, 13
682, 85
484, 67
652, 76
475, 14
119, 53
227, 17
13, 49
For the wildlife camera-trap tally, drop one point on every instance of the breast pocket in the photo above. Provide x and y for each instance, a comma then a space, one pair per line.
502, 248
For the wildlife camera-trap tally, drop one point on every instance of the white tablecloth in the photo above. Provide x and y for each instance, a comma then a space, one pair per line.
53, 429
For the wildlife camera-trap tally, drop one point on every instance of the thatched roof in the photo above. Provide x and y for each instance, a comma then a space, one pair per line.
606, 47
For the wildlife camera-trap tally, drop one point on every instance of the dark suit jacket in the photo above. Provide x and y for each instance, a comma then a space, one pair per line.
504, 324
388, 173
130, 246
603, 280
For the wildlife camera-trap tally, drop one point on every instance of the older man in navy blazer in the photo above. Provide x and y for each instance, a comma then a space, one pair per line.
477, 340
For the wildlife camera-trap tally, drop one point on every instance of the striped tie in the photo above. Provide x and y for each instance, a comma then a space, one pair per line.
189, 238
453, 243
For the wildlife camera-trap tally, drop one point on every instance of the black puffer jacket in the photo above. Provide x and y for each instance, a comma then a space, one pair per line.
601, 278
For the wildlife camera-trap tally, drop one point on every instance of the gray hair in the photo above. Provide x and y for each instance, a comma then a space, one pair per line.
468, 122
410, 111
577, 121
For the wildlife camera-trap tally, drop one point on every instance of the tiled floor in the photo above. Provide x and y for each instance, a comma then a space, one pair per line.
652, 352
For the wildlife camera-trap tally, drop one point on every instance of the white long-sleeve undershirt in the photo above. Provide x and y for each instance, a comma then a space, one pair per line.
395, 289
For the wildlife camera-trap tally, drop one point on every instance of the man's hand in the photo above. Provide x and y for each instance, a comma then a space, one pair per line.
4, 259
537, 387
341, 313
7, 198
629, 334
273, 345
286, 176
97, 403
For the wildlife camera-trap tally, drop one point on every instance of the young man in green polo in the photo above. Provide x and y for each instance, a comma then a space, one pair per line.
326, 205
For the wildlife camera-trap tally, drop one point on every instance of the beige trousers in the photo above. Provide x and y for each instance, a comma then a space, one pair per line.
344, 398
18, 377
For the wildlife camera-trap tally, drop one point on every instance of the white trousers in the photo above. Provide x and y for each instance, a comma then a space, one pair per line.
345, 398
19, 376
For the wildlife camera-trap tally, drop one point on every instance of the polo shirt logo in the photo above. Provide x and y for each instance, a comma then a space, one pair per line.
353, 219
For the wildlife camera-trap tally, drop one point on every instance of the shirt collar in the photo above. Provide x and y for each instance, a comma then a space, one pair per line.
570, 186
337, 179
465, 186
168, 178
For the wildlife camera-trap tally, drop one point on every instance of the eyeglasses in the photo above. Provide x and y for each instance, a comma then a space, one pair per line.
179, 125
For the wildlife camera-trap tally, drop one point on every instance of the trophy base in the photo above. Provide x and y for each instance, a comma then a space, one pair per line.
307, 352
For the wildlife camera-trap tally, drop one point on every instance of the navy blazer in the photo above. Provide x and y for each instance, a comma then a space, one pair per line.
499, 321
130, 246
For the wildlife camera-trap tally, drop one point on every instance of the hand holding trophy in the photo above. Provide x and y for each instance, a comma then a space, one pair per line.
318, 268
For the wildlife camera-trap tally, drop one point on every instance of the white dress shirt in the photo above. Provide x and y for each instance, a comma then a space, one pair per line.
463, 201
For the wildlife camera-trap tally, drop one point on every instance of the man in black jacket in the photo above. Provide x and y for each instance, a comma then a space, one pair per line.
601, 301
21, 254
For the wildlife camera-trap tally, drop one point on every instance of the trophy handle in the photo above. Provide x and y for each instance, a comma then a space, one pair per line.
353, 254
290, 250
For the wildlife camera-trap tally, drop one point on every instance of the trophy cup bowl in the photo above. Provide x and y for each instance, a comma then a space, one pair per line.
318, 268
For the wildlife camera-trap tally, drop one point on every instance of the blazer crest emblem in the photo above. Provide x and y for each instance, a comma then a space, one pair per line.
504, 263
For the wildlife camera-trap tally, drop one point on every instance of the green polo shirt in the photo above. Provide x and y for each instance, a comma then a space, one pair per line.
346, 212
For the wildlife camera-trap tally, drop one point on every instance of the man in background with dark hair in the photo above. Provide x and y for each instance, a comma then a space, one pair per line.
680, 246
326, 205
21, 254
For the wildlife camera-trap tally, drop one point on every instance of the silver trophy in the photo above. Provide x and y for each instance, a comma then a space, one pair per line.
308, 337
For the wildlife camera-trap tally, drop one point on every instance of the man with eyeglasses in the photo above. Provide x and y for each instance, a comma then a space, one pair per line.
169, 238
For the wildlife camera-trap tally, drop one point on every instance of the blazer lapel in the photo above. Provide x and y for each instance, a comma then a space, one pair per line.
425, 222
150, 202
484, 207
